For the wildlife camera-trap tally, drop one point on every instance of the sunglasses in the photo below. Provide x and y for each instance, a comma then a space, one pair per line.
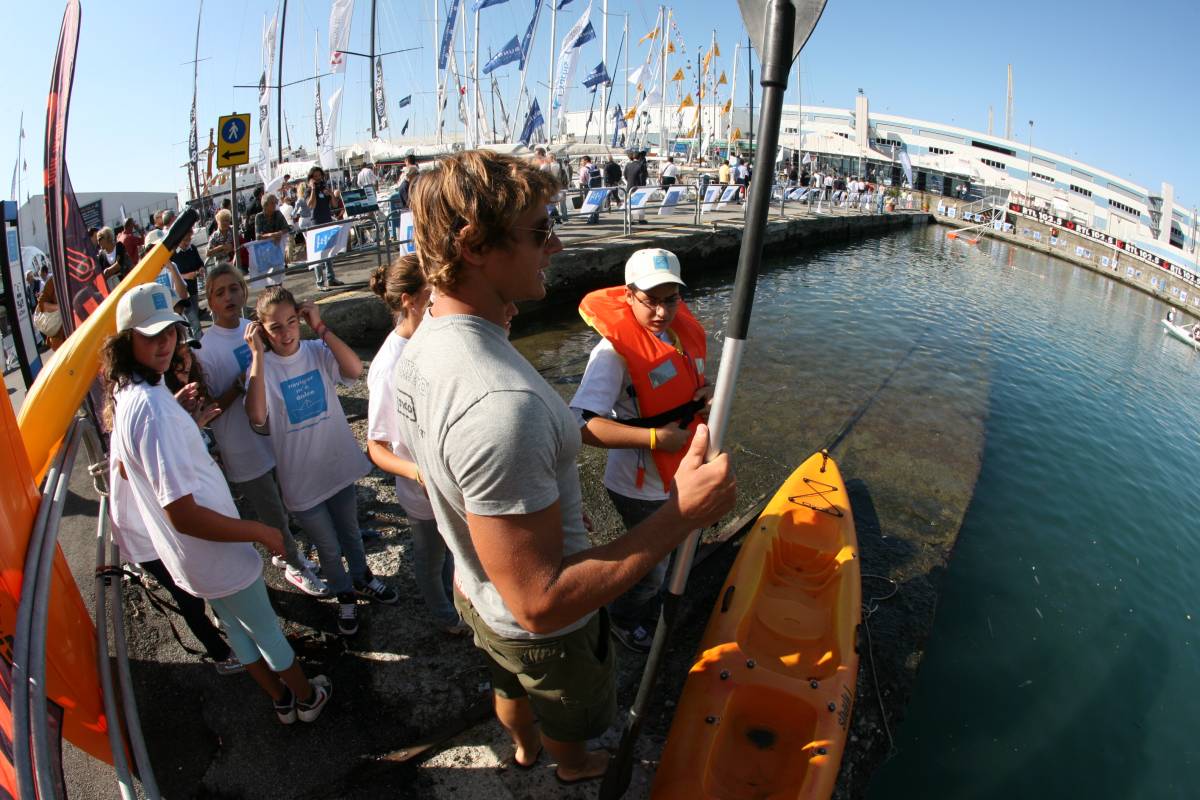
541, 235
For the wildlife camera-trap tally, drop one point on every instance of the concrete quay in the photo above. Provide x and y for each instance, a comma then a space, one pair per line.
595, 256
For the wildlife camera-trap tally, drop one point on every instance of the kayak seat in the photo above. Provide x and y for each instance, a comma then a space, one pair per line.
790, 636
759, 750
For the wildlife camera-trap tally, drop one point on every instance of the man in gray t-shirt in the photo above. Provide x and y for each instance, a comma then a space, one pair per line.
496, 447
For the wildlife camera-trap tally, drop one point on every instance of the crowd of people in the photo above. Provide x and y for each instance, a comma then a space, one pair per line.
483, 452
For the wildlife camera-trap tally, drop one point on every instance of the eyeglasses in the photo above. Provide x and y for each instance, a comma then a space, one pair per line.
665, 303
543, 234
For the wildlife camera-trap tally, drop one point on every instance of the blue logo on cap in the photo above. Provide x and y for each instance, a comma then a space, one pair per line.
662, 263
160, 301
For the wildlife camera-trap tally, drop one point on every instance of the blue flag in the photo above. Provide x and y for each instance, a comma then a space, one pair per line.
597, 76
404, 101
404, 130
448, 33
509, 53
527, 39
562, 4
533, 121
588, 34
485, 3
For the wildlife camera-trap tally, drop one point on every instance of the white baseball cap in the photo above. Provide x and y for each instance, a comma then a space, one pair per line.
652, 267
147, 310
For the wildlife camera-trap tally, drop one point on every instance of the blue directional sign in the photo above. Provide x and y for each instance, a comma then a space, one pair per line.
234, 148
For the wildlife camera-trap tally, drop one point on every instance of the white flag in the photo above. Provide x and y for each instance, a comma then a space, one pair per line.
264, 102
327, 241
339, 33
568, 57
328, 156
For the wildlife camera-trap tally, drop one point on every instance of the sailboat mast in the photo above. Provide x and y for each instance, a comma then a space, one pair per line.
278, 88
193, 135
662, 101
626, 81
604, 60
550, 88
475, 81
371, 81
437, 74
727, 124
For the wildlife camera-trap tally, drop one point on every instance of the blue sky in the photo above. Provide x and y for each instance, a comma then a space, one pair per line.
1103, 81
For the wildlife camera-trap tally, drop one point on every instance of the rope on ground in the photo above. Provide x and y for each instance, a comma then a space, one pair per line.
869, 608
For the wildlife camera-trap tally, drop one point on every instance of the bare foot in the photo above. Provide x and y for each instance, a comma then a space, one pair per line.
593, 766
523, 759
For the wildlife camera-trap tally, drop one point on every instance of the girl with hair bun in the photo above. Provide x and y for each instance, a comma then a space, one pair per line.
402, 287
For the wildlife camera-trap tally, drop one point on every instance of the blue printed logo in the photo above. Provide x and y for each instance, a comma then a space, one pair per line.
661, 263
242, 354
304, 397
160, 301
323, 239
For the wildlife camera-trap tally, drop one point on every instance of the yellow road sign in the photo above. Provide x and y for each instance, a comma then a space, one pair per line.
233, 149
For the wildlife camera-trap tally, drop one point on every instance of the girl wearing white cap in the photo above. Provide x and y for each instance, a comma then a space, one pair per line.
642, 395
186, 505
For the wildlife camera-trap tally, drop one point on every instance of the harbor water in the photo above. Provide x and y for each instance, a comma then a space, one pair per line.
1042, 408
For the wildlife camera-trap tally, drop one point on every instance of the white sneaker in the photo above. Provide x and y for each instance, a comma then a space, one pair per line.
278, 561
322, 691
306, 582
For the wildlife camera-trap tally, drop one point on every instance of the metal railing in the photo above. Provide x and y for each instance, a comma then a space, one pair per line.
32, 736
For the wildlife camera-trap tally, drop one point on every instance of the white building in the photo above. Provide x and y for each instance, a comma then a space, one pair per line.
946, 160
99, 209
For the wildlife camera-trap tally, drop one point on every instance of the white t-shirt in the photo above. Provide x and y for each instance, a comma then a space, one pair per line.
316, 454
128, 530
366, 177
383, 423
225, 357
670, 170
165, 459
153, 237
605, 392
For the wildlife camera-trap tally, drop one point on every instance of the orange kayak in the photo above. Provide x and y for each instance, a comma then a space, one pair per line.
766, 707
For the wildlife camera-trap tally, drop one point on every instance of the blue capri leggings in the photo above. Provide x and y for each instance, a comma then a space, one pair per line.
252, 627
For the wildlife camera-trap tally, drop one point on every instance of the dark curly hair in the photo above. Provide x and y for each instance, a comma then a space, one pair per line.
119, 369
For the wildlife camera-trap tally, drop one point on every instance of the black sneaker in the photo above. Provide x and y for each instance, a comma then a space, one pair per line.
335, 282
377, 590
637, 638
347, 621
285, 709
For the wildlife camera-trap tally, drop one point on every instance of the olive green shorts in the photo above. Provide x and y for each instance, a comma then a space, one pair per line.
569, 680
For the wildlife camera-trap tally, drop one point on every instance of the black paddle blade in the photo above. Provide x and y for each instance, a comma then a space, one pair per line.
620, 767
754, 17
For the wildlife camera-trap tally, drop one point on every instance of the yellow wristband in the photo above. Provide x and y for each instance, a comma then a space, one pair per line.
653, 438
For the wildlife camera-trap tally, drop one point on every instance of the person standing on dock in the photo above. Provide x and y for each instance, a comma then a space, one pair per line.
497, 448
641, 397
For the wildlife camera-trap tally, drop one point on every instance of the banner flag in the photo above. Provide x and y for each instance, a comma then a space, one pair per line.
404, 130
711, 195
78, 284
328, 154
594, 200
589, 33
722, 79
562, 4
651, 35
448, 33
319, 117
678, 76
687, 103
568, 57
640, 197
340, 15
381, 116
671, 200
264, 101
527, 39
906, 164
597, 76
266, 258
479, 4
725, 109
405, 101
728, 195
533, 121
327, 241
635, 77
707, 58
508, 54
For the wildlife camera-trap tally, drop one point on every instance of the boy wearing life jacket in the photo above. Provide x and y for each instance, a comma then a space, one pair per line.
642, 396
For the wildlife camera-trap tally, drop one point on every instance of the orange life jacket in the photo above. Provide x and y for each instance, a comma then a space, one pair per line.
664, 377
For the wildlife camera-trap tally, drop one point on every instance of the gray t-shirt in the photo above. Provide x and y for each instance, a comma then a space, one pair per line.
491, 438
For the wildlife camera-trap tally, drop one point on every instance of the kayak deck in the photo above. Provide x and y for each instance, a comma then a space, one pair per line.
766, 706
1181, 332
